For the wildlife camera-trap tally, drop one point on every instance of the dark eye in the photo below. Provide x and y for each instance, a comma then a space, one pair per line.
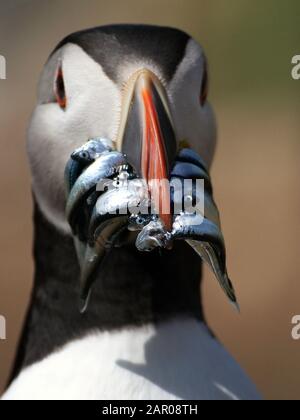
59, 88
204, 86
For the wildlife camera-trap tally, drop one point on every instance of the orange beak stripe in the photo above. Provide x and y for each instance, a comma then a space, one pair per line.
154, 160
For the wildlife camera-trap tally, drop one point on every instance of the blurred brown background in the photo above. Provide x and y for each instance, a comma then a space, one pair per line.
249, 44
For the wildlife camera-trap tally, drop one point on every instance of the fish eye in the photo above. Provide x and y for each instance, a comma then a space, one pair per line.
59, 89
85, 155
204, 86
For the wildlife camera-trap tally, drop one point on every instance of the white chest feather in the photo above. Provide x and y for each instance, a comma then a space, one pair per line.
176, 360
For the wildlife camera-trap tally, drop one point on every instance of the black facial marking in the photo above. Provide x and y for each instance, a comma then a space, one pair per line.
111, 45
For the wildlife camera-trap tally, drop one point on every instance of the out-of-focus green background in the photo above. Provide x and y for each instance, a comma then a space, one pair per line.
249, 44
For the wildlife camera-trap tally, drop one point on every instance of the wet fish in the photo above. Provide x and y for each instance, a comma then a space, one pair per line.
206, 238
82, 157
105, 237
92, 150
119, 200
106, 166
154, 235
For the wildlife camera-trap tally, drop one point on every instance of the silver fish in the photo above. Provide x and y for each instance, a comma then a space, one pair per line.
92, 150
103, 168
83, 157
154, 235
206, 238
105, 237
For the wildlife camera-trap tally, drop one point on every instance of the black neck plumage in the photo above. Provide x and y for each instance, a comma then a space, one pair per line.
133, 289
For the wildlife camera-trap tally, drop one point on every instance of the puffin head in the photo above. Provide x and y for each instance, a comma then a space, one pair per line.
118, 82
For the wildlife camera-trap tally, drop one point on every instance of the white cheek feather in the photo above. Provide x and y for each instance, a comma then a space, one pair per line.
176, 360
93, 103
94, 109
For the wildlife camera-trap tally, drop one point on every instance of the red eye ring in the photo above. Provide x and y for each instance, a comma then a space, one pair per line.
59, 89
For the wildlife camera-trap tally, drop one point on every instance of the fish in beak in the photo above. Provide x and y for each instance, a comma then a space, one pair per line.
145, 150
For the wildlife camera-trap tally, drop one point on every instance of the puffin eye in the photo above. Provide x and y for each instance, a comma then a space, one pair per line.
59, 89
204, 86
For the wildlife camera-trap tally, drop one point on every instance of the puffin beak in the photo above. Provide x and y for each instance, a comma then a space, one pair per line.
147, 138
146, 142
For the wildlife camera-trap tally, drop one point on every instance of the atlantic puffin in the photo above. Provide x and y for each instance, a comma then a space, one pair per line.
143, 334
